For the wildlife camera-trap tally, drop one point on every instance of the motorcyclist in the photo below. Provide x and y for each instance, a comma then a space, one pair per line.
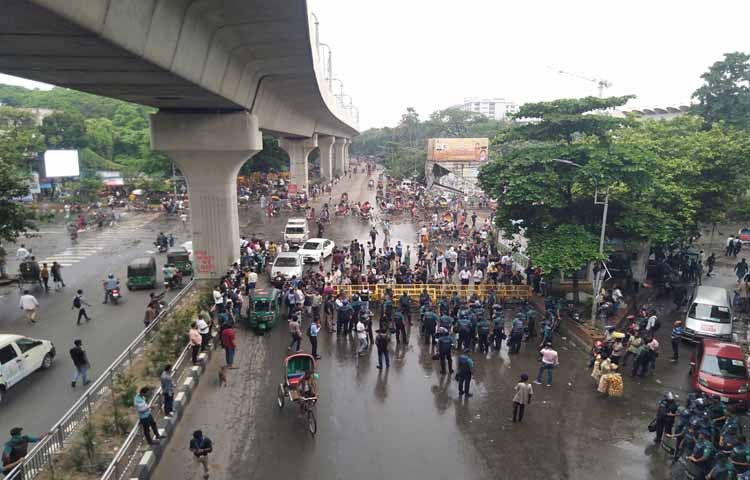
161, 240
110, 284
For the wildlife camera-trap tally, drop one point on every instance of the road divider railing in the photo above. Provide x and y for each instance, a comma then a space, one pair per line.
42, 457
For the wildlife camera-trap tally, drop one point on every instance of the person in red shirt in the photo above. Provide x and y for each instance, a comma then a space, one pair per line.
228, 340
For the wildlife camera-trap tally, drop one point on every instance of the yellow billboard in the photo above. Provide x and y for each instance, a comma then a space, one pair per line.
458, 149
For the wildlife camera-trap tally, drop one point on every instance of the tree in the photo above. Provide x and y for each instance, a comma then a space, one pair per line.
19, 137
566, 250
271, 159
64, 131
725, 93
99, 136
15, 218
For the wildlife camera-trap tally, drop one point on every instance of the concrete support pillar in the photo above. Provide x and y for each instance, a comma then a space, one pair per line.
339, 153
210, 149
346, 155
298, 150
325, 144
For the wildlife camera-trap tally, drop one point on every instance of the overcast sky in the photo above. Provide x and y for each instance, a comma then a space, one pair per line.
430, 54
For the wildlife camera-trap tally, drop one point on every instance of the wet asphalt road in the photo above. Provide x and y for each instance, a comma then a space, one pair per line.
38, 401
408, 421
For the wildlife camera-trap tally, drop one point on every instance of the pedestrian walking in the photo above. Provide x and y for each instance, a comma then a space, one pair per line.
145, 418
80, 303
465, 368
44, 275
710, 262
729, 246
228, 340
57, 279
549, 362
740, 269
382, 339
522, 397
3, 261
398, 322
167, 389
296, 333
29, 304
677, 331
201, 446
80, 362
313, 335
195, 342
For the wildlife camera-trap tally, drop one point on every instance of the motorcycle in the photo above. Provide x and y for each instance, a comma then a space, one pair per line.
114, 295
160, 247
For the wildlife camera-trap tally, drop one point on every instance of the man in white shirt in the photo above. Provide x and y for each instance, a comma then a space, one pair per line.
361, 337
478, 276
252, 280
22, 253
29, 305
204, 330
464, 275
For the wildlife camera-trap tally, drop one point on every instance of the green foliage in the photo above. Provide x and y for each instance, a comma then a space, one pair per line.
725, 93
567, 249
271, 159
19, 138
15, 218
64, 131
116, 424
100, 137
125, 386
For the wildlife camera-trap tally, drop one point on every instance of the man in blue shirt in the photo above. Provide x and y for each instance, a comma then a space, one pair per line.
445, 345
17, 447
677, 332
201, 446
465, 368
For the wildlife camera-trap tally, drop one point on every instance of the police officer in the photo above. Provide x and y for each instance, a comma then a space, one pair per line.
665, 416
681, 428
740, 455
429, 323
723, 469
386, 313
531, 323
465, 368
398, 320
498, 327
343, 317
464, 332
483, 327
704, 452
445, 345
405, 306
444, 306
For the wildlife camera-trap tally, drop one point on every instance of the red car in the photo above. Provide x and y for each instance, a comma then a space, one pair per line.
744, 235
719, 368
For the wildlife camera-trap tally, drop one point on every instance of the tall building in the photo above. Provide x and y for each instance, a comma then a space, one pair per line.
497, 108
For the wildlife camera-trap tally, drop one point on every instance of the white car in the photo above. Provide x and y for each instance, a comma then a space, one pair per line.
288, 264
316, 249
20, 357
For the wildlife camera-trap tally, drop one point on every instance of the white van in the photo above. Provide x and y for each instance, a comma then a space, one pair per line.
20, 357
710, 314
296, 232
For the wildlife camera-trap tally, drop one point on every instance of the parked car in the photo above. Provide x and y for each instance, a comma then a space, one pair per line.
744, 234
287, 264
709, 314
316, 249
20, 357
719, 368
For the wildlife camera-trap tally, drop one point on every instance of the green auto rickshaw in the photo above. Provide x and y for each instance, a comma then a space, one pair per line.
142, 273
180, 258
264, 310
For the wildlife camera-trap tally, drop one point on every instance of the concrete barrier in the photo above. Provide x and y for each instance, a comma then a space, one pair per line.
150, 459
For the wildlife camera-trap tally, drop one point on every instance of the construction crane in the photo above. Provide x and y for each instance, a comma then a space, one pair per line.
601, 84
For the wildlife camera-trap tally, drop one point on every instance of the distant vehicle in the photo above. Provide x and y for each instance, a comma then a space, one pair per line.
744, 234
189, 247
20, 357
288, 265
316, 249
709, 315
296, 232
719, 368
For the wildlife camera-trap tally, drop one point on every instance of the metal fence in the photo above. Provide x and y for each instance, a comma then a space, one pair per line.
41, 457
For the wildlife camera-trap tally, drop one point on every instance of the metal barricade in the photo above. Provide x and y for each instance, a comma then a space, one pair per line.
41, 456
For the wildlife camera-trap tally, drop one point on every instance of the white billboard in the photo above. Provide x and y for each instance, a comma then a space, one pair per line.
61, 163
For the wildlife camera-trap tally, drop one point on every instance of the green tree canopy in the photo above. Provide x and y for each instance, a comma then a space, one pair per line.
15, 218
64, 131
725, 93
